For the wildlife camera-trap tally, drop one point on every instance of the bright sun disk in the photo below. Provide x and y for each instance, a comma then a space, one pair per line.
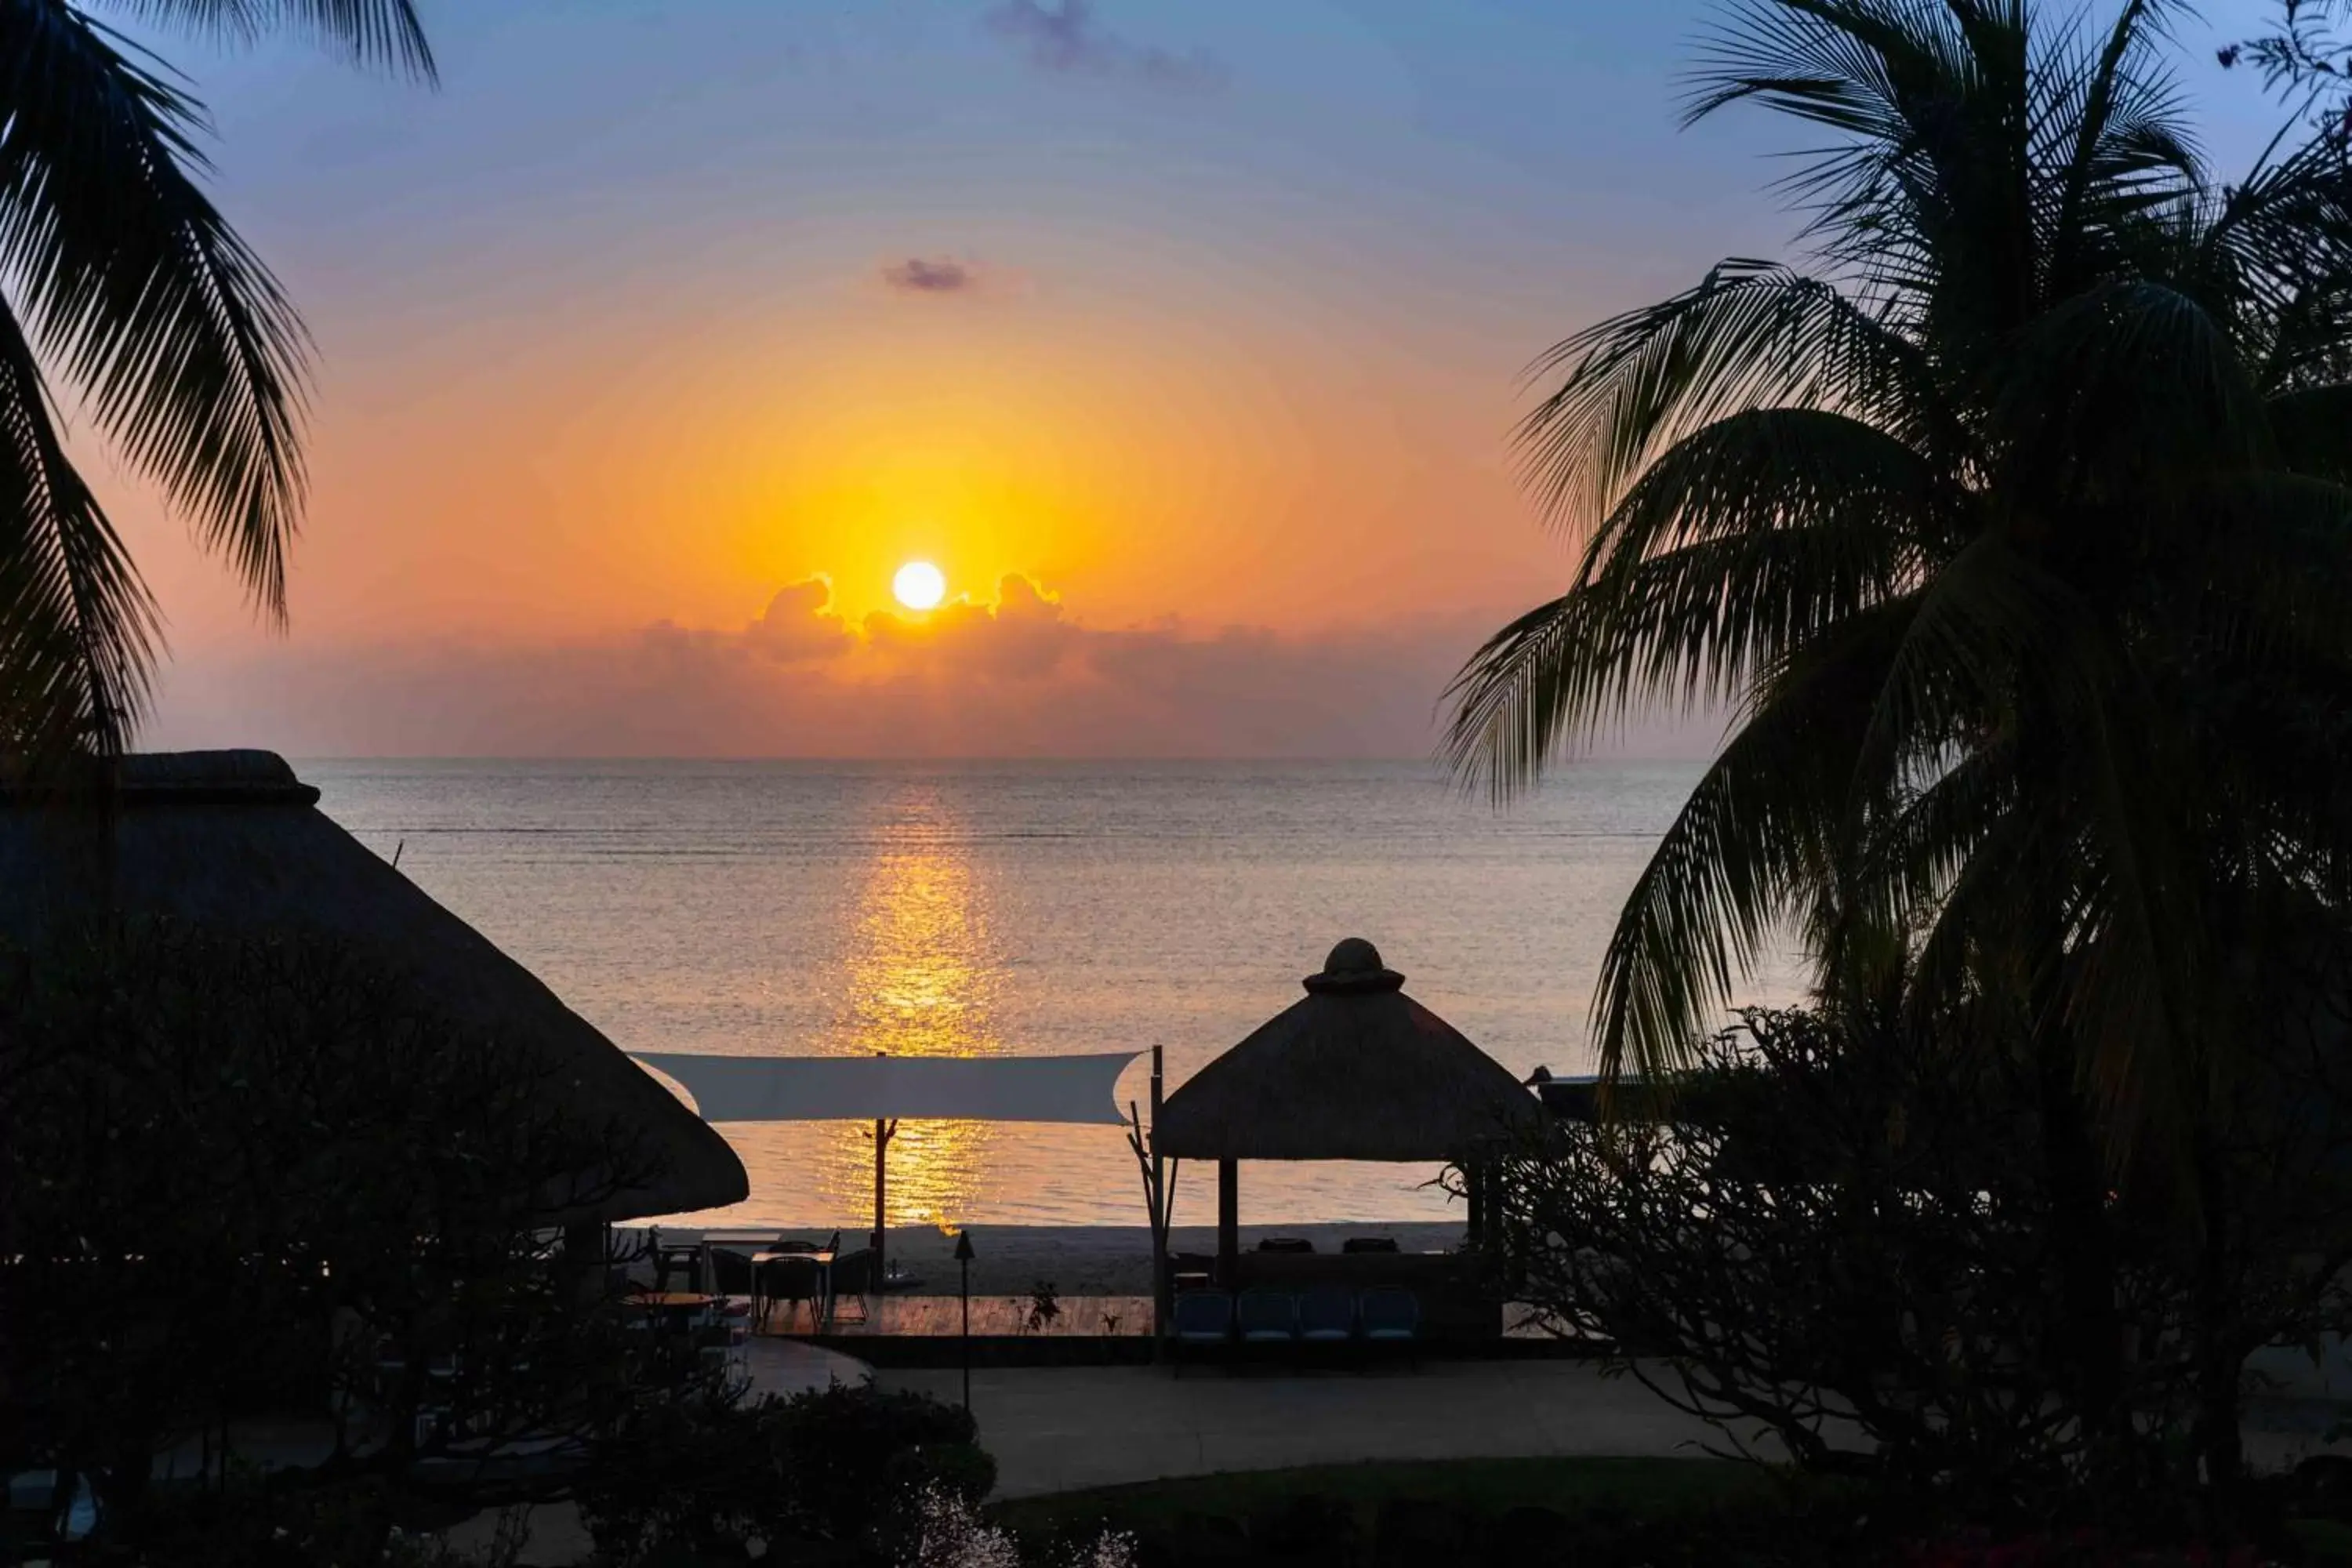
919, 585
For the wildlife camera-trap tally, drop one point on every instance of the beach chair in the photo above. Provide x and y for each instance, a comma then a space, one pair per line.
1359, 1244
1288, 1244
1205, 1318
1268, 1317
1391, 1316
1326, 1315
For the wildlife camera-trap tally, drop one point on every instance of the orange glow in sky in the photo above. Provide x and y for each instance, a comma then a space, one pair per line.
640, 380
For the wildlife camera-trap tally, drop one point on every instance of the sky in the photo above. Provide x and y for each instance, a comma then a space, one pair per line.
1184, 336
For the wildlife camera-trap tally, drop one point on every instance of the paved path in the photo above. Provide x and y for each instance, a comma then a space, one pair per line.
1058, 1429
789, 1366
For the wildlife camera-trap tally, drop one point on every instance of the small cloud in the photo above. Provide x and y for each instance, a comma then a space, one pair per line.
1065, 38
931, 275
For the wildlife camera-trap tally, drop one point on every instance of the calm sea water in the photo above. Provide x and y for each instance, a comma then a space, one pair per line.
1019, 909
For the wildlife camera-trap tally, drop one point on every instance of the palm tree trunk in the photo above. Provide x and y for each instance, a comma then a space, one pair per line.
2084, 1249
2220, 1360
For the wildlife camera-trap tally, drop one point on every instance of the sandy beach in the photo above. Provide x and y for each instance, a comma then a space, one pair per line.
1084, 1261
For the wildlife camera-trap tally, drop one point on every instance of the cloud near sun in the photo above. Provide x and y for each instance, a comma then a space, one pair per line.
1022, 676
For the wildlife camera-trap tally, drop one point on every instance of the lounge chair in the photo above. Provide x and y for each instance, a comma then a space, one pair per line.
1284, 1243
1326, 1315
1268, 1317
1368, 1244
1390, 1316
1203, 1319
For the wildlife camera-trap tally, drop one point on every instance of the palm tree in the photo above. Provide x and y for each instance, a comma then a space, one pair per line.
2013, 528
119, 279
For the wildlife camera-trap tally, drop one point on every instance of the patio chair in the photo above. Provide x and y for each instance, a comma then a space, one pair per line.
732, 1273
1284, 1243
855, 1278
1368, 1244
1326, 1315
1391, 1316
1203, 1319
1268, 1317
789, 1279
674, 1260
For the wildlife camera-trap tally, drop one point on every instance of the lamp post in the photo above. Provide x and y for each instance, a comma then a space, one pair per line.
963, 1263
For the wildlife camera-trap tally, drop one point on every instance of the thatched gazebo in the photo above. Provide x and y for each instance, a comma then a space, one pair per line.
233, 842
1354, 1070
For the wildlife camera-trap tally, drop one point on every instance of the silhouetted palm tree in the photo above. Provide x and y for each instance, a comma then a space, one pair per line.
2013, 531
2015, 534
119, 279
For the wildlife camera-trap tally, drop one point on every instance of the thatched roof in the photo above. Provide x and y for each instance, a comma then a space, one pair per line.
234, 842
1356, 1070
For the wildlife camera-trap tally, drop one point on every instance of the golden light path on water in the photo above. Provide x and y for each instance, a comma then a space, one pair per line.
923, 980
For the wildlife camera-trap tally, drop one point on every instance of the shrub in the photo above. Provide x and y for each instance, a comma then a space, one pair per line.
834, 1472
1840, 1238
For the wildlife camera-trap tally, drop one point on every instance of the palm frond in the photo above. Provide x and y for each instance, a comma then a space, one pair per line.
1752, 844
78, 632
378, 34
1744, 541
1751, 335
185, 348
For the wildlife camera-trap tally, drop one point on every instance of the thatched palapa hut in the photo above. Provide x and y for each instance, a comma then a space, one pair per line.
1355, 1070
233, 842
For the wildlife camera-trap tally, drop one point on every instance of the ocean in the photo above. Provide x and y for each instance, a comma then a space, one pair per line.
1017, 909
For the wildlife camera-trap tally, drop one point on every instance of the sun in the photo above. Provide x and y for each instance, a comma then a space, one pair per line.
919, 585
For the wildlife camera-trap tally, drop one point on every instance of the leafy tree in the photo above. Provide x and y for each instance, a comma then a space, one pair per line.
2306, 57
119, 279
2013, 528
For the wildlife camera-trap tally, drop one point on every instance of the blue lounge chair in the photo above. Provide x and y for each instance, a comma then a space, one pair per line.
1268, 1317
1391, 1316
1326, 1315
1205, 1318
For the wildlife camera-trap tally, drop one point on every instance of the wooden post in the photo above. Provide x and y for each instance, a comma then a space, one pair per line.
587, 1248
1474, 1182
1162, 1307
1229, 1224
883, 1132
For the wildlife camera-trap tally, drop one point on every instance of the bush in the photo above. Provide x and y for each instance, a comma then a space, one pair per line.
1842, 1239
833, 1473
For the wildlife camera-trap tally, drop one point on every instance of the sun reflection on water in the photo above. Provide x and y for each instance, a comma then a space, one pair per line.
923, 981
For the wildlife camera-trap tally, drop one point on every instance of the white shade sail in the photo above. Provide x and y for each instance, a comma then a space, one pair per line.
866, 1088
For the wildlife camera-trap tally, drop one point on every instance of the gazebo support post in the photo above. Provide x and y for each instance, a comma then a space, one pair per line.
1473, 1185
1229, 1224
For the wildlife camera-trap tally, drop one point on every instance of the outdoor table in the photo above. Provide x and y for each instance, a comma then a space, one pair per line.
714, 1240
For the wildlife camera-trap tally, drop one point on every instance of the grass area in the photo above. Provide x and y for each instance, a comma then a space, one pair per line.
1638, 1488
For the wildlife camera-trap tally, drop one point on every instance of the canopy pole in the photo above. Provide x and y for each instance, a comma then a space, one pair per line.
1229, 1224
883, 1132
1162, 1221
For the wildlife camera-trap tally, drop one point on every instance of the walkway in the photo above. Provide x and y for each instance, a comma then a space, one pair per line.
1059, 1428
